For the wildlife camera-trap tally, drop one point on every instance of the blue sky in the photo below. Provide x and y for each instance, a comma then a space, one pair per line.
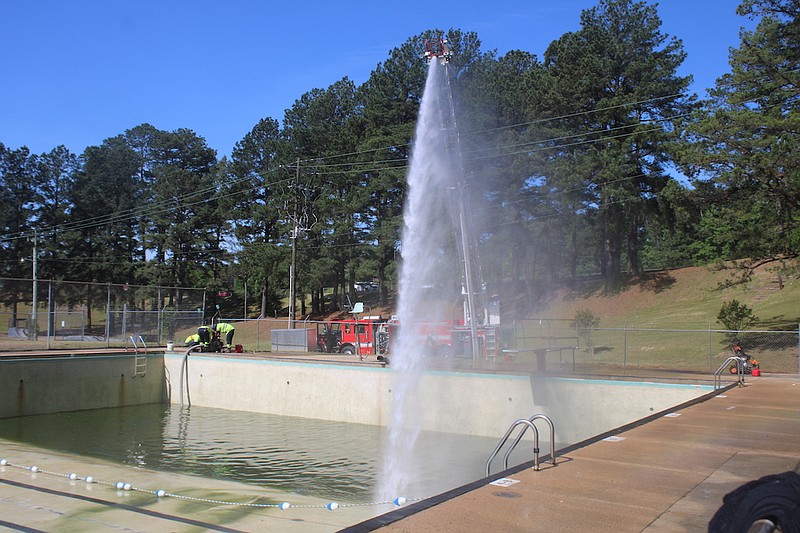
77, 72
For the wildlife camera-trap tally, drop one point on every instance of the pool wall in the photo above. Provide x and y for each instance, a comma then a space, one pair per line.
478, 404
33, 386
466, 403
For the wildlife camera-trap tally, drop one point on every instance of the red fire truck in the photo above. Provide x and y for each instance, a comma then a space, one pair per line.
363, 336
371, 335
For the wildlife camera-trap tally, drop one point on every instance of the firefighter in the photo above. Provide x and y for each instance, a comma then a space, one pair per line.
205, 333
225, 329
192, 340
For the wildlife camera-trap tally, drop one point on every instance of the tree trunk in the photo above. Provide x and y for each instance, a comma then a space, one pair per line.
264, 299
612, 251
633, 251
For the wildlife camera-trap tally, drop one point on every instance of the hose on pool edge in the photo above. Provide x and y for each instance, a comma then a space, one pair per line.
773, 500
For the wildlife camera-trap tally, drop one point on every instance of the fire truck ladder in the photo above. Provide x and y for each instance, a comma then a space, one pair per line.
491, 341
139, 359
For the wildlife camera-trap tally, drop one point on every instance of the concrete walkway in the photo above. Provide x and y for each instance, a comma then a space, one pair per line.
667, 475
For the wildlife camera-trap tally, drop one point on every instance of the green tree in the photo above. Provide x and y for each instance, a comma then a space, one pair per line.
17, 186
736, 316
586, 322
254, 203
745, 141
186, 227
325, 201
618, 94
102, 240
55, 176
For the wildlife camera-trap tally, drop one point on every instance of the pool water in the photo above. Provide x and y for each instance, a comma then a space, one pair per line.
329, 460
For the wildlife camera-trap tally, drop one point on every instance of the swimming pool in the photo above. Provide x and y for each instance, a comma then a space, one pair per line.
245, 425
321, 459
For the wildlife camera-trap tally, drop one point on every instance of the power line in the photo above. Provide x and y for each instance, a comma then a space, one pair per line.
313, 165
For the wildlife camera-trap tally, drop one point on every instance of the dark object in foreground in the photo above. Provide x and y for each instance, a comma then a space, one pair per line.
771, 503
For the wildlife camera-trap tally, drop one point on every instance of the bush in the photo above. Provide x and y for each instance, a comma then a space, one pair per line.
585, 322
736, 316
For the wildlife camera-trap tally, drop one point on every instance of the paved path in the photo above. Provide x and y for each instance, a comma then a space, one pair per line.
668, 475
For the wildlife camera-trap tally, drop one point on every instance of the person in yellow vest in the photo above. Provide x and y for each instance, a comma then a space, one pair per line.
205, 333
223, 328
192, 340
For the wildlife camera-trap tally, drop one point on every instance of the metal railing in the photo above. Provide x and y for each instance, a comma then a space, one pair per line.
725, 366
527, 423
139, 358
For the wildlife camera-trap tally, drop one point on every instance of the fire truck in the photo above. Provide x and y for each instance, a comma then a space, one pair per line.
363, 336
372, 335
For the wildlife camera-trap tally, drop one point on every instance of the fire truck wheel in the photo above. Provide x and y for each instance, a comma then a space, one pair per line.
348, 349
445, 350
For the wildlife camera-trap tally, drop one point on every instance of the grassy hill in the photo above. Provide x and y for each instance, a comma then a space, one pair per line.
663, 319
668, 319
687, 297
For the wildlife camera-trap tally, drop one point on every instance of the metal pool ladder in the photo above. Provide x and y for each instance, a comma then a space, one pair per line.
527, 423
739, 371
140, 360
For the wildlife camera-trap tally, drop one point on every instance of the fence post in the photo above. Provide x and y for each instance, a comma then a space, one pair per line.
108, 315
710, 344
625, 344
160, 317
50, 312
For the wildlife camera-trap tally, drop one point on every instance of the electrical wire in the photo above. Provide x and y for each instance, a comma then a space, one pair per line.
313, 166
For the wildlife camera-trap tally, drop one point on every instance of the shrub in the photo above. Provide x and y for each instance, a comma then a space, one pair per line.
736, 316
585, 322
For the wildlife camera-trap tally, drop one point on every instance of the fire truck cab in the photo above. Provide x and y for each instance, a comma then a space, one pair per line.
371, 335
363, 336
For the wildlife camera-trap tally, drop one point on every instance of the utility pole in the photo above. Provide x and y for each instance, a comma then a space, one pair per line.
34, 315
293, 236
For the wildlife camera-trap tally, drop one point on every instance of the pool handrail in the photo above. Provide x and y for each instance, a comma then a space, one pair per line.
528, 423
739, 371
139, 361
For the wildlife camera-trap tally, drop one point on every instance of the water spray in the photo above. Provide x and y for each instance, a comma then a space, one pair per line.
432, 252
440, 51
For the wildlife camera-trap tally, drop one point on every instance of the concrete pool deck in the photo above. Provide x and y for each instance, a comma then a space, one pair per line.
669, 474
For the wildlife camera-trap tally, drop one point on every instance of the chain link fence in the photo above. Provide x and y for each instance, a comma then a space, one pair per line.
104, 314
561, 344
96, 315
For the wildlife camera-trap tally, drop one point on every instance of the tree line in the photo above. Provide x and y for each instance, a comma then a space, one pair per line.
592, 159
